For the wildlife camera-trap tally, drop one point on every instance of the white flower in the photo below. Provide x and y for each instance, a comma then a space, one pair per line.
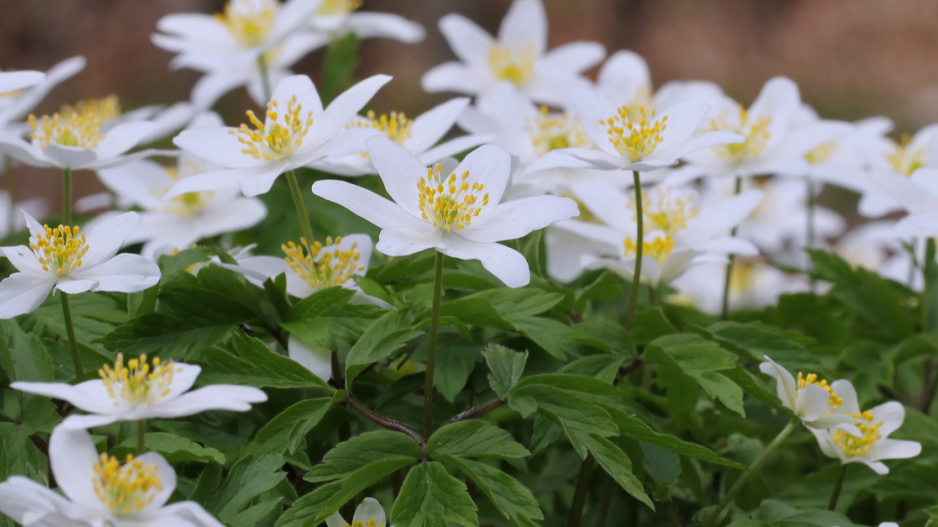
816, 403
11, 81
14, 106
419, 136
753, 284
369, 513
872, 445
455, 212
66, 259
11, 221
142, 389
100, 490
296, 132
185, 219
518, 56
889, 165
679, 231
339, 17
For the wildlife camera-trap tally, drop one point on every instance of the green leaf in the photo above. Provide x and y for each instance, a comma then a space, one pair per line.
364, 450
606, 287
431, 497
548, 334
382, 338
497, 306
604, 336
215, 296
341, 60
166, 335
510, 497
94, 315
285, 432
618, 465
474, 438
174, 448
602, 367
505, 367
650, 324
184, 260
454, 363
577, 415
256, 365
326, 317
248, 478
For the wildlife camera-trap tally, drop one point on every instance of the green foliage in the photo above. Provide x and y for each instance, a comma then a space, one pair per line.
431, 497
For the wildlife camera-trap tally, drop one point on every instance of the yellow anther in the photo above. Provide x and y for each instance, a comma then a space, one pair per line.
804, 380
554, 131
338, 7
189, 204
852, 445
904, 159
513, 65
635, 138
670, 213
323, 266
821, 153
139, 382
77, 125
249, 21
280, 136
756, 132
658, 248
60, 249
453, 209
395, 125
125, 488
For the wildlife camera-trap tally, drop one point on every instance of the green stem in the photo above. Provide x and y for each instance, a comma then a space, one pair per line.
70, 331
835, 494
431, 345
639, 245
265, 79
67, 197
789, 428
141, 436
809, 240
11, 188
300, 207
579, 495
725, 312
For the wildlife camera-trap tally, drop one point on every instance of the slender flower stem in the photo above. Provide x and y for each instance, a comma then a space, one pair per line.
141, 436
478, 411
390, 424
579, 495
639, 245
835, 494
725, 312
10, 179
265, 78
67, 197
300, 207
70, 331
431, 345
809, 236
789, 428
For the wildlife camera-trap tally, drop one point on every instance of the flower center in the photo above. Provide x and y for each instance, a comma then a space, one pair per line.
190, 204
338, 7
821, 153
276, 140
862, 445
449, 204
904, 159
755, 130
551, 132
59, 249
75, 126
323, 266
513, 65
395, 125
834, 402
127, 488
635, 138
139, 382
249, 21
367, 523
659, 247
670, 213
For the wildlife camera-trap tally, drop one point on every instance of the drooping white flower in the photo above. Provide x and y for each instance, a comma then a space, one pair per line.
369, 513
335, 18
15, 103
99, 490
456, 212
185, 219
296, 132
143, 389
519, 55
419, 136
816, 402
64, 258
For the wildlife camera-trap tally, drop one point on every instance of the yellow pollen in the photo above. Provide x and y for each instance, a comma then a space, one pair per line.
323, 265
59, 249
859, 446
821, 154
127, 488
78, 125
249, 21
743, 277
904, 159
551, 132
756, 132
189, 204
139, 382
450, 203
513, 65
804, 380
634, 138
338, 7
277, 139
670, 214
395, 125
658, 248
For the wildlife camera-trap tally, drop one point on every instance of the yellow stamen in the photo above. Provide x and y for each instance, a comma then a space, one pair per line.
553, 131
338, 7
139, 382
59, 249
755, 130
395, 125
190, 204
634, 138
904, 159
450, 203
277, 139
513, 65
77, 125
323, 266
821, 154
659, 248
834, 402
852, 445
127, 488
671, 212
249, 21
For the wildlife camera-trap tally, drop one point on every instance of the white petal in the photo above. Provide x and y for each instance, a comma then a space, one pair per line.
516, 218
313, 357
574, 57
452, 147
335, 520
30, 503
167, 477
344, 108
139, 183
451, 76
122, 138
17, 80
811, 402
23, 292
508, 265
608, 203
845, 390
785, 382
24, 152
385, 25
22, 104
593, 109
75, 286
490, 166
469, 42
370, 206
350, 141
190, 513
107, 237
125, 273
70, 156
90, 396
400, 172
184, 376
22, 258
71, 456
254, 182
623, 69
213, 85
89, 421
402, 242
432, 125
306, 95
217, 145
675, 265
369, 509
214, 397
894, 449
524, 24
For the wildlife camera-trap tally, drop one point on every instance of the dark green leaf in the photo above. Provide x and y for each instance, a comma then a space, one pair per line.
618, 465
505, 367
512, 499
285, 432
431, 497
474, 438
605, 336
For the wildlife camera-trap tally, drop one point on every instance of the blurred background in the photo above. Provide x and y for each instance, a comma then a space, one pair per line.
851, 58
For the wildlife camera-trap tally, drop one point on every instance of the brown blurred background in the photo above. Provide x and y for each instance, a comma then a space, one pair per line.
851, 58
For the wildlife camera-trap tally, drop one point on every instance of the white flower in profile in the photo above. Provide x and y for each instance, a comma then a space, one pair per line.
419, 136
818, 404
519, 55
185, 219
66, 259
143, 389
77, 137
369, 513
100, 490
296, 132
16, 102
872, 445
11, 81
456, 212
679, 229
336, 18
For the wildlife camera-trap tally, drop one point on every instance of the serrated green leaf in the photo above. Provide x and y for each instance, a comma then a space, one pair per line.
650, 324
174, 448
163, 334
577, 415
247, 479
548, 334
362, 451
505, 367
474, 438
431, 497
510, 497
171, 264
285, 432
382, 338
256, 365
604, 336
618, 465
